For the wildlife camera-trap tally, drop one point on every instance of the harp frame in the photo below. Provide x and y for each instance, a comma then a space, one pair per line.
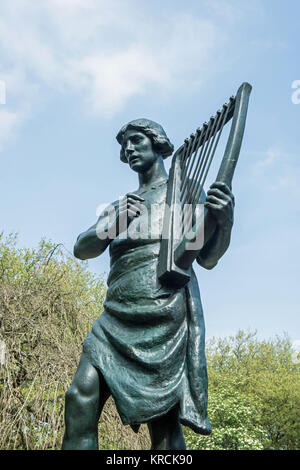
175, 258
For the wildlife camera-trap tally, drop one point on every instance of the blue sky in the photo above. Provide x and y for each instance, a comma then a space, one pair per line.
76, 70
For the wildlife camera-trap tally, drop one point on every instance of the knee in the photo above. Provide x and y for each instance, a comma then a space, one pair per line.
73, 395
82, 392
77, 403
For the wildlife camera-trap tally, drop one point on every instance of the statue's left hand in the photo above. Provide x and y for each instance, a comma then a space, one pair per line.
220, 203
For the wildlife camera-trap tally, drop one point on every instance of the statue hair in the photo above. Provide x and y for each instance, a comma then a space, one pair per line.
155, 132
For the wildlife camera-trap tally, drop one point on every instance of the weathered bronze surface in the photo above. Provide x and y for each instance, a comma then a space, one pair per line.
147, 347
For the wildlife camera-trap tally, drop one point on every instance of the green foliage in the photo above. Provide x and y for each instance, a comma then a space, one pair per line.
234, 422
48, 302
254, 395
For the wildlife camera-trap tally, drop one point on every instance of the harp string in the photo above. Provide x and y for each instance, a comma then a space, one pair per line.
186, 216
206, 136
210, 130
197, 189
196, 141
188, 168
185, 163
185, 147
186, 187
221, 118
187, 144
187, 151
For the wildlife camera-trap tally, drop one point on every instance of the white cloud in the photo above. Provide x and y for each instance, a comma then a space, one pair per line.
268, 158
234, 11
277, 170
104, 52
17, 106
113, 79
8, 124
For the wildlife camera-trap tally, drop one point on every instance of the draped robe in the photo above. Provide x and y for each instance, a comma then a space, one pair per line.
149, 342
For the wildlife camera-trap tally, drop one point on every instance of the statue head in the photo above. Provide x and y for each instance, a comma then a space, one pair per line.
160, 142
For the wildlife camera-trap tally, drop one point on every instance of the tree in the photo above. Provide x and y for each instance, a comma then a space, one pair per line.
48, 302
234, 421
260, 383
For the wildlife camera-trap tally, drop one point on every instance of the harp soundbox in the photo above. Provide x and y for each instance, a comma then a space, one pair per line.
188, 172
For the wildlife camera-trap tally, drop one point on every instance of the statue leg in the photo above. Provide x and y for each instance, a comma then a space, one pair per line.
84, 402
166, 432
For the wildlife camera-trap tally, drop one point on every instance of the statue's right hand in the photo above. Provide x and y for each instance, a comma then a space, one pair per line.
129, 207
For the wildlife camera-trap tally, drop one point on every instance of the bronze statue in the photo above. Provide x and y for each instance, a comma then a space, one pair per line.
147, 348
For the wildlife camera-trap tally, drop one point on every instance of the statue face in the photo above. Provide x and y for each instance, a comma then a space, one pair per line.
139, 151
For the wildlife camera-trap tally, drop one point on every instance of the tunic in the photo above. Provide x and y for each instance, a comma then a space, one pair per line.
149, 342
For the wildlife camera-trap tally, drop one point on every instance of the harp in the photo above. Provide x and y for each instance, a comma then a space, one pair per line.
188, 172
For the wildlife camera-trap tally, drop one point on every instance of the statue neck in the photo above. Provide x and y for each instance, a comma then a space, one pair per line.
155, 173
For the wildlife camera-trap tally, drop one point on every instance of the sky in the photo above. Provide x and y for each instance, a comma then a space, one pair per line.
72, 72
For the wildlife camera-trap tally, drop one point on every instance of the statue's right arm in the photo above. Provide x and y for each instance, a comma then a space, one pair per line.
94, 241
113, 220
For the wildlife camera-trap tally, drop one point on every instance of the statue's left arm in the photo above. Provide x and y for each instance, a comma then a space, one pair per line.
220, 204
